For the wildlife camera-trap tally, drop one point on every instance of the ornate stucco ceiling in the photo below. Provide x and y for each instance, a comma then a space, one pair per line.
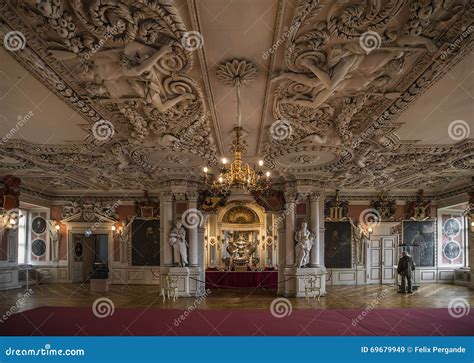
100, 96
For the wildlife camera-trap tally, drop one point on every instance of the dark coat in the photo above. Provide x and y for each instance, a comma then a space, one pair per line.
405, 265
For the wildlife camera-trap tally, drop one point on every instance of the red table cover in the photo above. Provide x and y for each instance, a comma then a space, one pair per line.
244, 279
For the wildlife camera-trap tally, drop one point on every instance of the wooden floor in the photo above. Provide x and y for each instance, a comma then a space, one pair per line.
146, 296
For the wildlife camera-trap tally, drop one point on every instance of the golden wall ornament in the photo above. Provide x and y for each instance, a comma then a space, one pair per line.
336, 209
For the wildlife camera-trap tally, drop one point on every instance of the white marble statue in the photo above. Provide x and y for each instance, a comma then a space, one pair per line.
177, 240
55, 238
360, 237
304, 243
225, 244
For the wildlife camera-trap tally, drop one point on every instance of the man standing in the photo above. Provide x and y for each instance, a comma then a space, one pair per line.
404, 269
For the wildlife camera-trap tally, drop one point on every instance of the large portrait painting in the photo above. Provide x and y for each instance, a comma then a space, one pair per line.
337, 244
146, 242
422, 234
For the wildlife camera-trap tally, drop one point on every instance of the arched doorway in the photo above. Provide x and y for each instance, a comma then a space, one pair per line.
240, 238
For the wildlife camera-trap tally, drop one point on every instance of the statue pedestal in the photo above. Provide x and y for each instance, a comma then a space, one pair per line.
294, 285
189, 280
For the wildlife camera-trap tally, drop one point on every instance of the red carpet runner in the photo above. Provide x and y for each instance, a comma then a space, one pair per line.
81, 321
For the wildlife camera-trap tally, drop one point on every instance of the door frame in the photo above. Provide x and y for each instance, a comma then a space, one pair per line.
81, 228
382, 267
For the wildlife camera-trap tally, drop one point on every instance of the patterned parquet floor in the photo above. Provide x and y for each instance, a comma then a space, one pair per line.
146, 296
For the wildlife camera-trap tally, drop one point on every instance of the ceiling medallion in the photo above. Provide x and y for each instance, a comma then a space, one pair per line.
237, 174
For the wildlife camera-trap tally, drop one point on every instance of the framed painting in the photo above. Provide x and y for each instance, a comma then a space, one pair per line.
421, 233
145, 242
338, 244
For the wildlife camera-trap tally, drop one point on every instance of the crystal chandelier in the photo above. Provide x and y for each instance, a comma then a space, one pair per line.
237, 174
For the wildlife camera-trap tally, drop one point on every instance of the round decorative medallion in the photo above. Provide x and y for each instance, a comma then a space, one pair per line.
452, 250
451, 228
38, 247
38, 225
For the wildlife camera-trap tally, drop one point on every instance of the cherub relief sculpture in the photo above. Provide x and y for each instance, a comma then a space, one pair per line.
119, 61
349, 68
340, 106
340, 93
132, 72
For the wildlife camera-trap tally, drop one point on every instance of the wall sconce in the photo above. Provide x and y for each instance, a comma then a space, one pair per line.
55, 229
117, 231
370, 231
472, 226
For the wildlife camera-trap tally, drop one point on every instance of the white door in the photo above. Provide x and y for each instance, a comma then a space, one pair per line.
374, 260
388, 259
380, 259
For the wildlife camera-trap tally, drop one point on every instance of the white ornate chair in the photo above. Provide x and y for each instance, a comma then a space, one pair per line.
170, 288
312, 284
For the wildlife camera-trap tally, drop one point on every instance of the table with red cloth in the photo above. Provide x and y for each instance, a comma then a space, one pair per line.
241, 279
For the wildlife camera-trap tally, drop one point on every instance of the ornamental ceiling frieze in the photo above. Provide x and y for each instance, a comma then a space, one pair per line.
351, 69
123, 66
339, 81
